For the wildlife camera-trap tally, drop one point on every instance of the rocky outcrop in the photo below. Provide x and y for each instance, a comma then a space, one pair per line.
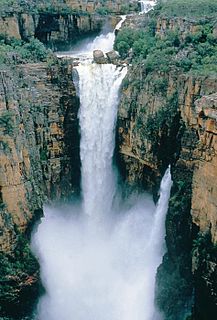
59, 29
181, 25
112, 56
9, 27
98, 57
109, 57
204, 206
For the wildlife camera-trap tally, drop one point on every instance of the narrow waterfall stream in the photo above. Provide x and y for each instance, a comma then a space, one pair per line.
99, 260
147, 5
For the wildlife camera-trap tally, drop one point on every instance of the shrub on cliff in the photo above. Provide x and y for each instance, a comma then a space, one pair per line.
19, 280
196, 52
124, 41
17, 51
103, 11
138, 40
8, 122
186, 8
34, 50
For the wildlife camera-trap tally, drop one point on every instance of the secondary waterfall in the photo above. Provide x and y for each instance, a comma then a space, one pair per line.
99, 261
147, 5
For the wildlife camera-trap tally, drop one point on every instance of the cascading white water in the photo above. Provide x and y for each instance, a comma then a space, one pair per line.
104, 42
147, 5
98, 90
98, 262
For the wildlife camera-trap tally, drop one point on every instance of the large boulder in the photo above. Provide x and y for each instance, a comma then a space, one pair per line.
112, 56
98, 57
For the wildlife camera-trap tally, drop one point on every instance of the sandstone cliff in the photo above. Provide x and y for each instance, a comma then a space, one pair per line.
39, 157
170, 117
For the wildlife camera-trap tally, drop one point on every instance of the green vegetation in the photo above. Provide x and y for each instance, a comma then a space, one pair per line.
187, 8
21, 262
43, 154
204, 245
17, 272
16, 6
162, 119
18, 51
196, 52
103, 11
56, 7
33, 6
7, 122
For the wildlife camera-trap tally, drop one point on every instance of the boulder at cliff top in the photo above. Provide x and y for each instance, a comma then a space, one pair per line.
98, 57
112, 56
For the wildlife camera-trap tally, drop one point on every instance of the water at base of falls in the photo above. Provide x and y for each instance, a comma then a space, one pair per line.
102, 270
99, 260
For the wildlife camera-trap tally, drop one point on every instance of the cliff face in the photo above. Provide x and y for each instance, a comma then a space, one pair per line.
57, 23
39, 126
37, 123
115, 7
204, 179
50, 28
170, 117
56, 29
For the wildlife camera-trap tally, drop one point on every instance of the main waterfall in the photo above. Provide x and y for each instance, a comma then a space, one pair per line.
99, 260
98, 90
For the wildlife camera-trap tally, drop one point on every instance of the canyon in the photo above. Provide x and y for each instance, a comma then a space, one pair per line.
164, 117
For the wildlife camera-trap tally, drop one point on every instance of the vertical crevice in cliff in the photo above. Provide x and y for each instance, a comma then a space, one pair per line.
72, 149
4, 87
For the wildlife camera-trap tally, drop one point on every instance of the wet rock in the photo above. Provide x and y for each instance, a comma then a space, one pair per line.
98, 57
112, 56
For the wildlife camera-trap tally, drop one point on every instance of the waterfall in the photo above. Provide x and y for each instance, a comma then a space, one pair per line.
147, 5
105, 42
99, 261
156, 246
98, 90
84, 49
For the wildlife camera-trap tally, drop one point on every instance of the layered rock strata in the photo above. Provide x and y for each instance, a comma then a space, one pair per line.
39, 160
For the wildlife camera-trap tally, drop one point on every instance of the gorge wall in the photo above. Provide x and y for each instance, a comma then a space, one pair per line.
170, 117
39, 161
